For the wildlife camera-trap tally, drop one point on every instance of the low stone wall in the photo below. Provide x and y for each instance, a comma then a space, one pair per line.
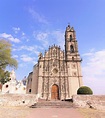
17, 99
90, 101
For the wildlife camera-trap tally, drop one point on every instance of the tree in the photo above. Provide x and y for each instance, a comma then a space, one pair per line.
4, 76
84, 90
6, 60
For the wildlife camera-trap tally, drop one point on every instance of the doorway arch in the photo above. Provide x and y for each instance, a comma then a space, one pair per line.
55, 92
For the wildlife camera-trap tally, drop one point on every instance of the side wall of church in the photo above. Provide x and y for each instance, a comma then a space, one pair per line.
40, 78
29, 83
35, 80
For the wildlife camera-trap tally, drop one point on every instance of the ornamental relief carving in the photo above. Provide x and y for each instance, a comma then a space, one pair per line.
55, 62
62, 68
46, 85
73, 66
50, 65
74, 73
54, 81
46, 68
55, 71
62, 85
54, 52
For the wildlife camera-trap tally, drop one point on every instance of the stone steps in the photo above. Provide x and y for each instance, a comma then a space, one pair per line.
53, 104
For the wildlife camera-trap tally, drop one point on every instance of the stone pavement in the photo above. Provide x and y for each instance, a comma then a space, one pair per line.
54, 113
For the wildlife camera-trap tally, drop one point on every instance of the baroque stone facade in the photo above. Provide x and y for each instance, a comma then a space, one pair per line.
57, 75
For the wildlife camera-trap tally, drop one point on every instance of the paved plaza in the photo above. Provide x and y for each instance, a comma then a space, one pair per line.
55, 113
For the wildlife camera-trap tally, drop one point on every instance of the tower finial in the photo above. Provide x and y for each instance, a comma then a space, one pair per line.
68, 24
68, 27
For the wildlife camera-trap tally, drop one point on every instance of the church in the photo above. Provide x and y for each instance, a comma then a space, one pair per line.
57, 75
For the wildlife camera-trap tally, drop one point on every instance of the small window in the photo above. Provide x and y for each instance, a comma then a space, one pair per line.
70, 37
16, 88
6, 86
72, 58
29, 90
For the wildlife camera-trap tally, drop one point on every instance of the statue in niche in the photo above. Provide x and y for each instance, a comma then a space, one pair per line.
40, 55
54, 53
62, 68
46, 86
50, 66
46, 68
54, 62
62, 87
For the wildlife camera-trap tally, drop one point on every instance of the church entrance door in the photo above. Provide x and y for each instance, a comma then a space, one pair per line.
55, 92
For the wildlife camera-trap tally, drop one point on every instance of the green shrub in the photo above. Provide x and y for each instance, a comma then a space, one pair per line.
84, 90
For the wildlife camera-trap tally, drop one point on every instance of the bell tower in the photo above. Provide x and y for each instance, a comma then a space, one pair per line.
71, 47
73, 60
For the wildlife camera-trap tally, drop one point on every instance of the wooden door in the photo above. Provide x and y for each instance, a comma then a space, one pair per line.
55, 92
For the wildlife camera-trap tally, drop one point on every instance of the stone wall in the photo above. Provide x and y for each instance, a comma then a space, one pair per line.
90, 101
17, 99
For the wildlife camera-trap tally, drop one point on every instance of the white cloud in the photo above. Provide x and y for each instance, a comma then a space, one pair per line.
87, 54
26, 58
9, 37
94, 70
42, 36
29, 48
33, 49
59, 37
16, 29
40, 18
22, 65
15, 56
49, 38
23, 33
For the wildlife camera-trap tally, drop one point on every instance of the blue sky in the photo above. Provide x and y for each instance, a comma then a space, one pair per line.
32, 25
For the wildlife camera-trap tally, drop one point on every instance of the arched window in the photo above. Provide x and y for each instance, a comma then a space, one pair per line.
29, 90
70, 37
72, 58
71, 48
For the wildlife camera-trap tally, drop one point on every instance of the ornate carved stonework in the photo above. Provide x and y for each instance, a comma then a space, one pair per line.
46, 85
73, 66
74, 73
58, 71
